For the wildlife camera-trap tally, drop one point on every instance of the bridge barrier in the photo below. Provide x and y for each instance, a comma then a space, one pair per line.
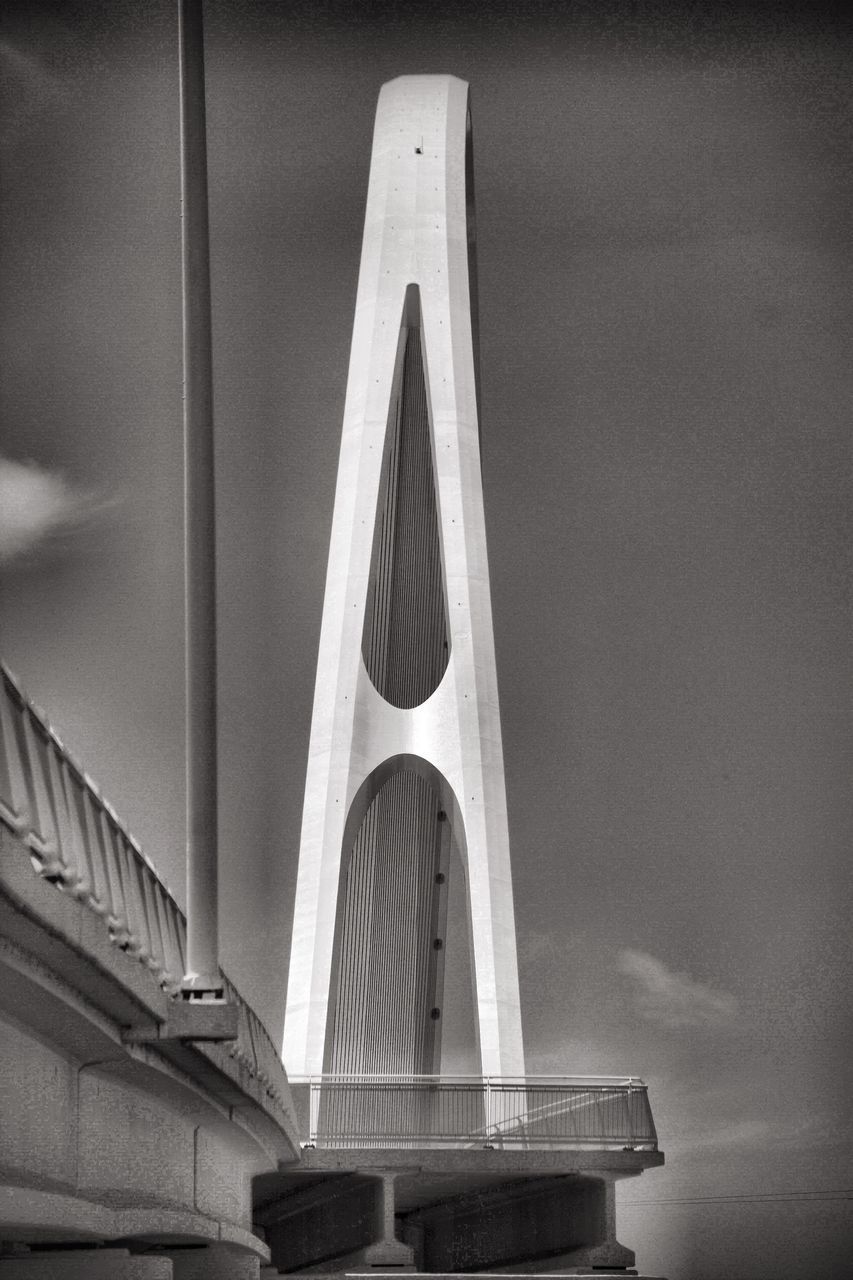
529, 1113
77, 842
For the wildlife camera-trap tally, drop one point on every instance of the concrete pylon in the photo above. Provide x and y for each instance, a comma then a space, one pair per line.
406, 693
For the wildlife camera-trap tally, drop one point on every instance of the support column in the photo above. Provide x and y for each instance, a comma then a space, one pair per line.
612, 1252
388, 1251
605, 1252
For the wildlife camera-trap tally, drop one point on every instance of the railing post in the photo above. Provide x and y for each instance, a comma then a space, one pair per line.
15, 803
313, 1109
489, 1117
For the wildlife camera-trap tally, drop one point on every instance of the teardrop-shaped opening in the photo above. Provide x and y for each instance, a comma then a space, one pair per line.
473, 292
405, 644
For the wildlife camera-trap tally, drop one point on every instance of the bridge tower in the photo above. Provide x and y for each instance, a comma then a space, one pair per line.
405, 758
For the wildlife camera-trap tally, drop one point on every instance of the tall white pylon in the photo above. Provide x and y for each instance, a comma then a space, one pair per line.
406, 718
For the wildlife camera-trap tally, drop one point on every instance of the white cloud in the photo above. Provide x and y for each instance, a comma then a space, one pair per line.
33, 90
34, 504
671, 999
750, 1133
538, 947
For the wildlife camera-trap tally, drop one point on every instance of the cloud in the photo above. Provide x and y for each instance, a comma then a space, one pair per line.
741, 1133
36, 504
674, 999
538, 947
33, 91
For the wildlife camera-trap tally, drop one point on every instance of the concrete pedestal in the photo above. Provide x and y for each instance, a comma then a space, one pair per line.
389, 1251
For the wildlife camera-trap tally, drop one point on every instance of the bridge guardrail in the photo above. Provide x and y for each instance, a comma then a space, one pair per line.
77, 842
530, 1113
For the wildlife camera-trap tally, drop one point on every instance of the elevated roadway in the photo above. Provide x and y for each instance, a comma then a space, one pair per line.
144, 1138
128, 1145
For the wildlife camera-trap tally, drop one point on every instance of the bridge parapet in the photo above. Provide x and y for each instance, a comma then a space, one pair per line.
522, 1113
78, 843
111, 1134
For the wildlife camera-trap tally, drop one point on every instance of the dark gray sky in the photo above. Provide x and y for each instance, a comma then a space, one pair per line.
663, 202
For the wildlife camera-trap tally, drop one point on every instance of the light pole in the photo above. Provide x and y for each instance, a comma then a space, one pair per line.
203, 980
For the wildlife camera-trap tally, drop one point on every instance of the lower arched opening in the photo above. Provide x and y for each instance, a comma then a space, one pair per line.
403, 836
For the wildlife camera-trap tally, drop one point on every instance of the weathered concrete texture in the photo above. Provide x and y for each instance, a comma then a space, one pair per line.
86, 1264
322, 1221
520, 1222
106, 1142
36, 1103
417, 225
132, 1149
122, 1148
222, 1185
218, 1262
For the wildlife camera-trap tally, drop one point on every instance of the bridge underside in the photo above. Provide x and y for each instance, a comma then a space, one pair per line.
441, 1212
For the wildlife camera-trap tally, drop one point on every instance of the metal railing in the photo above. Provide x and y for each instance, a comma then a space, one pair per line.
77, 842
534, 1112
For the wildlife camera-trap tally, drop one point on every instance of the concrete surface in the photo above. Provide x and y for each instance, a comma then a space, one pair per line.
104, 1142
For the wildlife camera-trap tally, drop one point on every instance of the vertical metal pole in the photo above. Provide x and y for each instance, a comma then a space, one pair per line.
314, 1109
202, 979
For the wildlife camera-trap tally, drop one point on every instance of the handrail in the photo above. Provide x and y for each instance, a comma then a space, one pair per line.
531, 1112
77, 842
464, 1077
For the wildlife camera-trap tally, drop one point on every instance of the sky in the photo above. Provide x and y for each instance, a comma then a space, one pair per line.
663, 199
